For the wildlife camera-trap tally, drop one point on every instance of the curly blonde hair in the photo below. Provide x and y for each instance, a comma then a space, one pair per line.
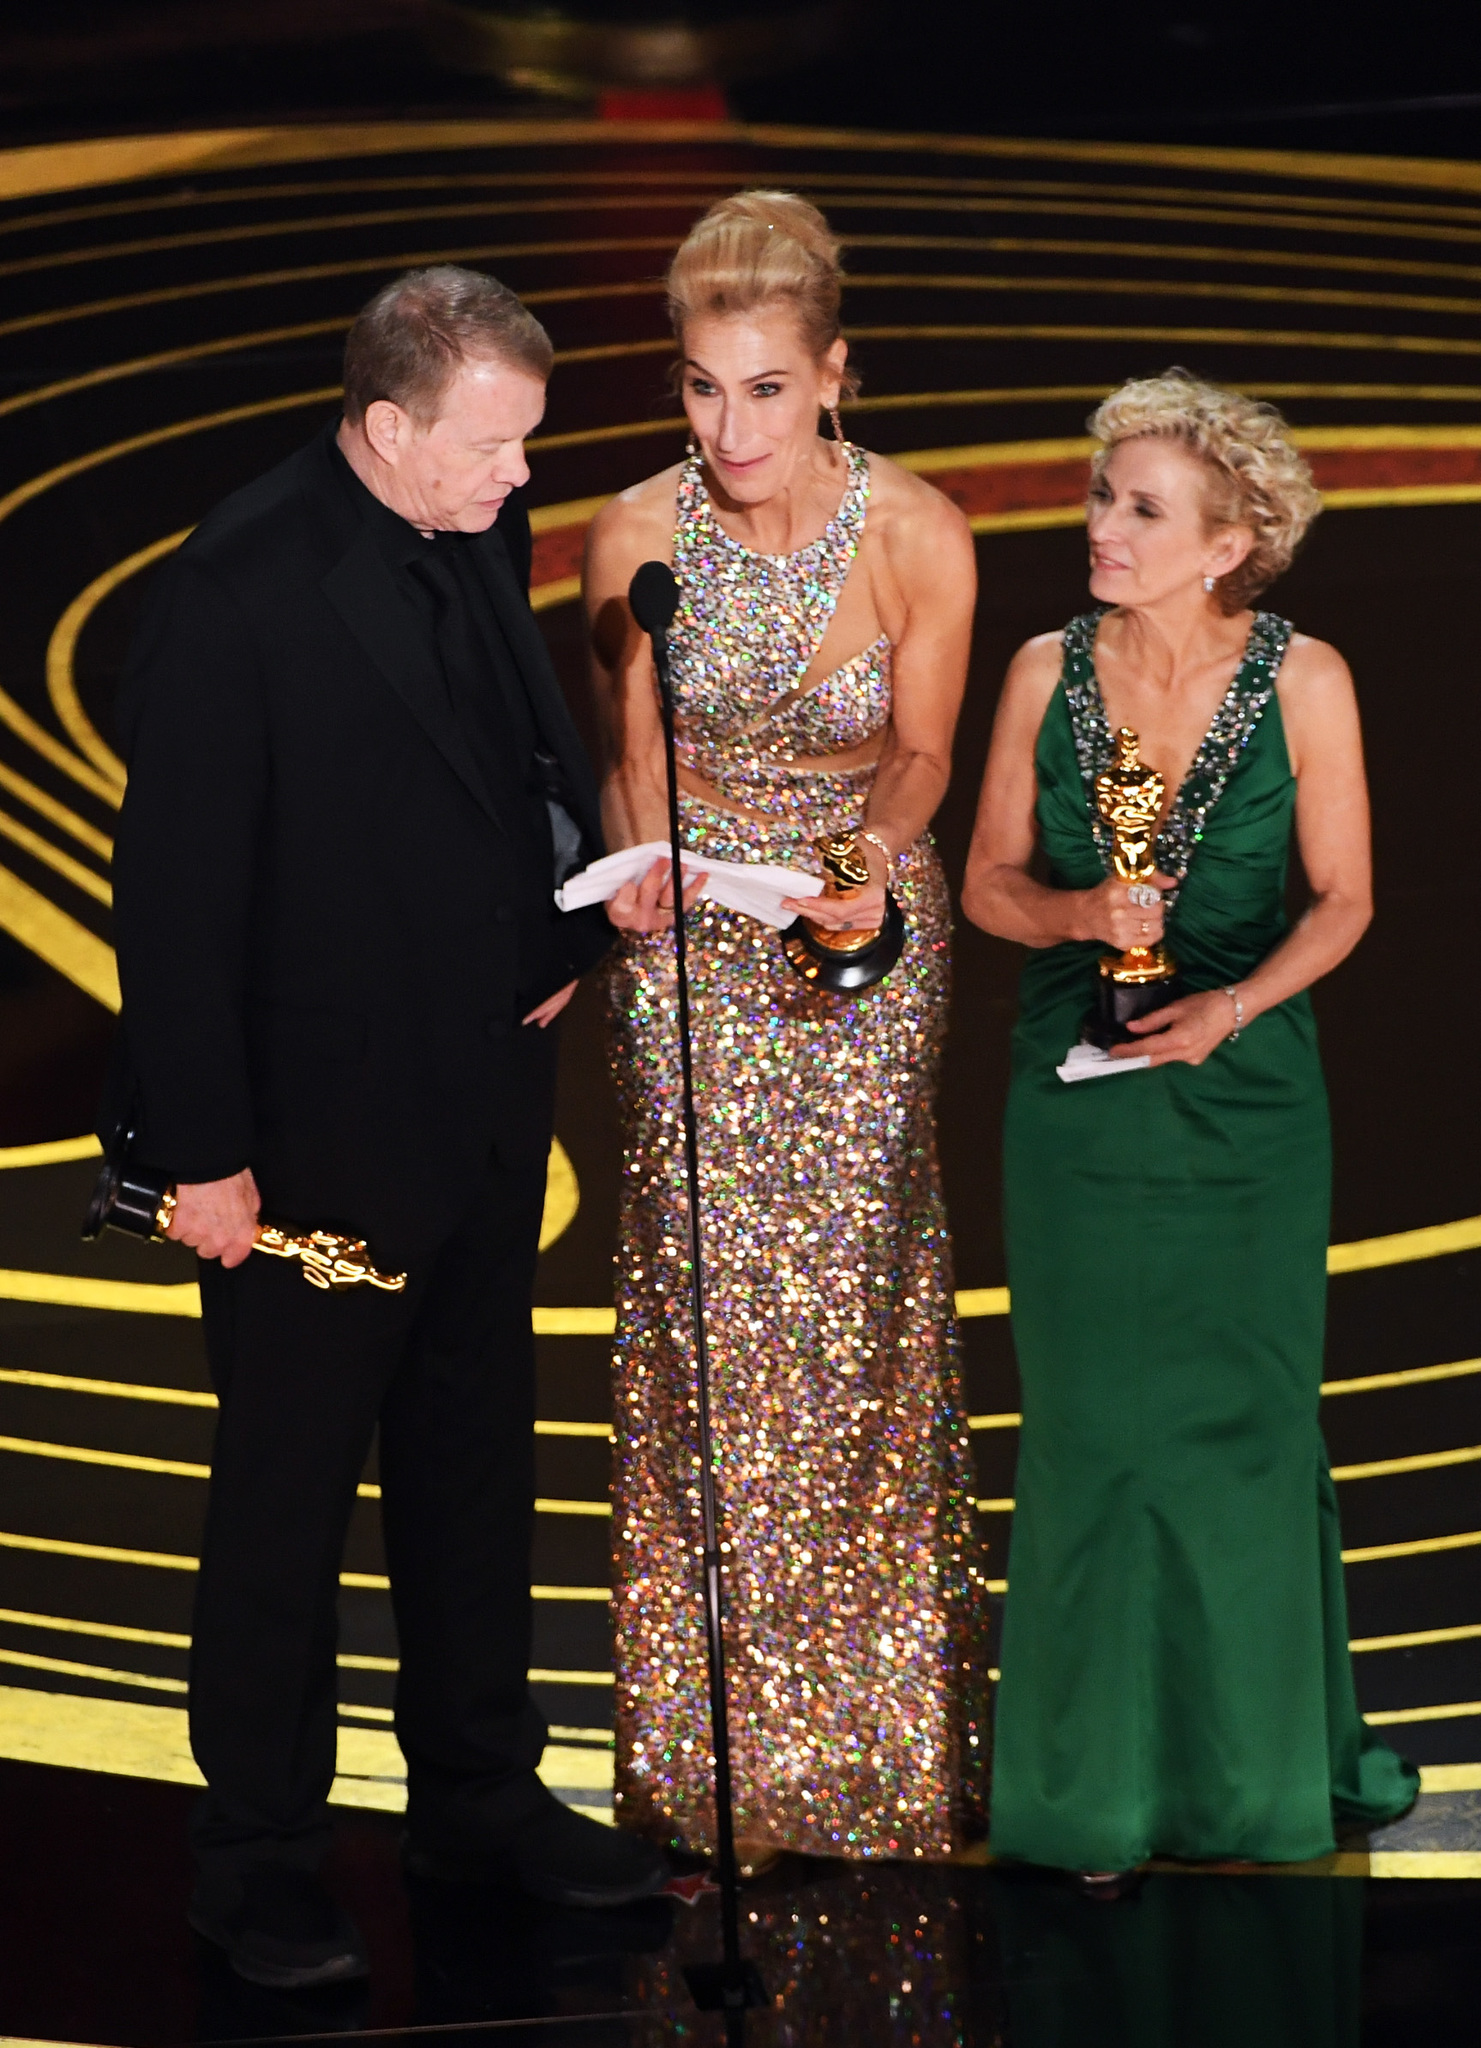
1256, 478
758, 249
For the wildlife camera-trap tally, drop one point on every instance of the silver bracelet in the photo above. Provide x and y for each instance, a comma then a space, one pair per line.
875, 840
1234, 997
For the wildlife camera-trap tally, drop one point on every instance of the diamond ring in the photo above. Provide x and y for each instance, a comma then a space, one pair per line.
1144, 896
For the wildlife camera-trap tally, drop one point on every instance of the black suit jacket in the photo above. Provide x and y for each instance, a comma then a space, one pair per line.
318, 903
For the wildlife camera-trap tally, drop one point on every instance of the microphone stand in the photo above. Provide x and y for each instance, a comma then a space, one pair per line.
734, 1983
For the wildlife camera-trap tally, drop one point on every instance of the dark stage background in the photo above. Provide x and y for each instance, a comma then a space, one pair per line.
170, 326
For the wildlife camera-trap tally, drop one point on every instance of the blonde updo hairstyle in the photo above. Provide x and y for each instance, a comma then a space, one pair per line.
1255, 477
756, 250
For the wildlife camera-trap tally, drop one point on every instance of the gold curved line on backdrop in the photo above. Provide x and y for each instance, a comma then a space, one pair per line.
400, 216
73, 1290
59, 940
1416, 1639
60, 863
1251, 337
67, 166
171, 1639
1372, 1383
1089, 394
562, 1195
489, 252
166, 359
123, 1461
119, 1390
45, 806
173, 358
61, 682
1180, 252
1421, 1546
1029, 285
1421, 1461
360, 266
308, 225
999, 454
190, 1397
1220, 206
180, 1468
1412, 1376
109, 1631
591, 437
100, 1674
1458, 1710
1047, 394
20, 722
52, 1152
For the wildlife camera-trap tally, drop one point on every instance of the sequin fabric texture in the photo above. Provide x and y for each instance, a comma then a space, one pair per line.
1230, 731
843, 1457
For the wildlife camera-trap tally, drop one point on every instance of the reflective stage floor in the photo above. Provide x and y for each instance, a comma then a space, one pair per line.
172, 318
95, 1948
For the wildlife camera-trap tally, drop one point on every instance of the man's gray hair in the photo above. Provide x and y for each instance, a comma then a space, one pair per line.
408, 343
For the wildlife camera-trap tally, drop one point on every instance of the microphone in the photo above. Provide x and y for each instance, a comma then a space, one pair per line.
654, 597
734, 1983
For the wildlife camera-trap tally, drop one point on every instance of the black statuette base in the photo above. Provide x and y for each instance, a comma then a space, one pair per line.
714, 1988
1118, 1002
126, 1196
845, 973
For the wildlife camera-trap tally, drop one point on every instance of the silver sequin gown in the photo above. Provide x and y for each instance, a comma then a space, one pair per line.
843, 1456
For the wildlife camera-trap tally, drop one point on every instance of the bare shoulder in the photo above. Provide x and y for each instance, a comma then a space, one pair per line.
1313, 664
1034, 669
913, 514
1027, 688
638, 523
1314, 679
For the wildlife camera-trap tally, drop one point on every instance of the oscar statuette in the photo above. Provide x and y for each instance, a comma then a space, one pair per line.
139, 1201
844, 961
1129, 797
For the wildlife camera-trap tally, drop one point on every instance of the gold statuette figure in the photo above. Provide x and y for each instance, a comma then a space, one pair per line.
328, 1259
1129, 796
844, 961
141, 1202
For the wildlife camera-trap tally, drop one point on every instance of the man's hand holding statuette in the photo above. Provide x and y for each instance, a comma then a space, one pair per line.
218, 1218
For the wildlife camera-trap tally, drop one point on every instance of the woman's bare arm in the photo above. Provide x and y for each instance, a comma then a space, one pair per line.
931, 590
1320, 709
926, 591
999, 894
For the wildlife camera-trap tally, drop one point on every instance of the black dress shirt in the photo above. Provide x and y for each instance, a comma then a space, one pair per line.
443, 581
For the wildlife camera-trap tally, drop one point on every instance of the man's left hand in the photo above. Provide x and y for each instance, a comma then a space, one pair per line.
552, 1006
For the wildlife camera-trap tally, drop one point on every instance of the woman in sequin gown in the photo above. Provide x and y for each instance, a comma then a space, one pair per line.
1176, 1678
818, 659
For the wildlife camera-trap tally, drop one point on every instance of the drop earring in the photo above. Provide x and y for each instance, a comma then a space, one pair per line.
1208, 583
837, 424
690, 448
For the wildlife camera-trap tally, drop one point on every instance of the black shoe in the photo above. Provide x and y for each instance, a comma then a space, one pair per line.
1108, 1885
278, 1926
548, 1850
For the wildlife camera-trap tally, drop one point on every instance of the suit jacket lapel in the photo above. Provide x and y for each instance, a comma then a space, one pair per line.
527, 645
360, 588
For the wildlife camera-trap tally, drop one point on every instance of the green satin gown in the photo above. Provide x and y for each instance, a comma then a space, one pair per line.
1176, 1678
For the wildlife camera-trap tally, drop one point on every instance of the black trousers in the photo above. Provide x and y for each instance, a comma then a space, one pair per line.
447, 1372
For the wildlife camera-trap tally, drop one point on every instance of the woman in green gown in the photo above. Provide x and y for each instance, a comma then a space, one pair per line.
1176, 1678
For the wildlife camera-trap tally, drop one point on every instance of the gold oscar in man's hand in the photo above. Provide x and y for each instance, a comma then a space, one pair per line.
1129, 797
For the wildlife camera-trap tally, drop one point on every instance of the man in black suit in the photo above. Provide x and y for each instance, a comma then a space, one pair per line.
353, 785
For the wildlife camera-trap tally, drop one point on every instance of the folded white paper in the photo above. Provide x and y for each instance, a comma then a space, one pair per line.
1088, 1063
747, 886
